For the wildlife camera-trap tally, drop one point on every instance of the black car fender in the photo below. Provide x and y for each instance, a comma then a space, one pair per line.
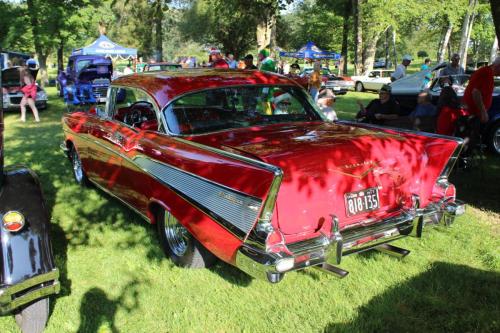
26, 253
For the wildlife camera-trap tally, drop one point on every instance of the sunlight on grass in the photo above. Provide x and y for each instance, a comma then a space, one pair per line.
114, 276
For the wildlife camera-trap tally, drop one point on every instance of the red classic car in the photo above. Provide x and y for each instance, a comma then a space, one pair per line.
241, 166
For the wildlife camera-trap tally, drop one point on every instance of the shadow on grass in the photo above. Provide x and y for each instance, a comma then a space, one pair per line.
479, 190
231, 274
446, 298
97, 308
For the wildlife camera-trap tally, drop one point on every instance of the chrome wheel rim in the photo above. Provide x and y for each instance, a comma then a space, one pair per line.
177, 236
77, 167
496, 140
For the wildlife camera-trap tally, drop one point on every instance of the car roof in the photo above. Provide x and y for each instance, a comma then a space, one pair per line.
167, 85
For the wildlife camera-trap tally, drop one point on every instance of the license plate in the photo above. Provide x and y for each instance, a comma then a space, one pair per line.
336, 88
361, 201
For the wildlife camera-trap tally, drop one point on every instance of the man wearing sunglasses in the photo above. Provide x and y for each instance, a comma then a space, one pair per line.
380, 109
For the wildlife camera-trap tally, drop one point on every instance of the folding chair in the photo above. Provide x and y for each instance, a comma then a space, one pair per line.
469, 129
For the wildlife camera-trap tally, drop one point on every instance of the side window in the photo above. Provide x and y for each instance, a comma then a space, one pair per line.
372, 74
132, 107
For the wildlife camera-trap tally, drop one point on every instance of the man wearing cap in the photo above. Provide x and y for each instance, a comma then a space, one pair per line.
400, 71
453, 68
379, 110
249, 62
478, 95
266, 62
216, 60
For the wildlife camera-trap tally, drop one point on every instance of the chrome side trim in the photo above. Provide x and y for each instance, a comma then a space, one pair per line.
9, 303
232, 207
269, 203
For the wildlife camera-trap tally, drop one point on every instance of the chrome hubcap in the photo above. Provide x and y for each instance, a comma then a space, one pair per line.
77, 167
496, 140
177, 236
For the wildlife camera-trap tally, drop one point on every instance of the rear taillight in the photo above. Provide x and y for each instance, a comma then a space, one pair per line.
13, 221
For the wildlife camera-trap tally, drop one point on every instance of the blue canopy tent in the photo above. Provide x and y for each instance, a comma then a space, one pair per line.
311, 51
106, 47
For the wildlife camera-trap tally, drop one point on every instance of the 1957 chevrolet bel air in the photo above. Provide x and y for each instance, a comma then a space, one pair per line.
241, 166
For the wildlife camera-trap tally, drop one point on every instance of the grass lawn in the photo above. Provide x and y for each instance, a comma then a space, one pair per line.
116, 279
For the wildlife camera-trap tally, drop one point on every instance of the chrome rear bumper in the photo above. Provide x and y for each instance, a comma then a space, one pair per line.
17, 295
323, 249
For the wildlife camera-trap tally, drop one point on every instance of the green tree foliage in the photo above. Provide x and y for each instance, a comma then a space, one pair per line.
220, 23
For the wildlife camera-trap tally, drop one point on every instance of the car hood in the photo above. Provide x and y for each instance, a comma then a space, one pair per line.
321, 162
412, 84
11, 77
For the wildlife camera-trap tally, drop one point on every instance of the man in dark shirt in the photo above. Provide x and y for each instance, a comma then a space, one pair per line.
249, 62
379, 110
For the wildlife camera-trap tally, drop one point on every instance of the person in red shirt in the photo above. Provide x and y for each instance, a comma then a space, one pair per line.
215, 59
29, 95
479, 92
449, 110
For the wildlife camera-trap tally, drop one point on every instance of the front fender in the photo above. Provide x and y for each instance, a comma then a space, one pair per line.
28, 252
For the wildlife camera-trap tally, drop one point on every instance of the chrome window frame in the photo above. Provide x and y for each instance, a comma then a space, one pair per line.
308, 98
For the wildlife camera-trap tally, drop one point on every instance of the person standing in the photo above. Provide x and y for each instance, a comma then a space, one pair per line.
266, 62
400, 71
32, 63
249, 62
231, 62
453, 68
428, 76
216, 60
29, 95
315, 81
478, 95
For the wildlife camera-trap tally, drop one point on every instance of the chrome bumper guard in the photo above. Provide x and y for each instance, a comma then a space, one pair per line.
322, 252
37, 287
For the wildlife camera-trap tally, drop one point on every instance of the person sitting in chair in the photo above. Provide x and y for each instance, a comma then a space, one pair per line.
379, 110
449, 110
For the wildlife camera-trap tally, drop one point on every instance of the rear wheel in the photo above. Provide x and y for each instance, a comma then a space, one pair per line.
359, 87
179, 245
78, 173
494, 138
33, 318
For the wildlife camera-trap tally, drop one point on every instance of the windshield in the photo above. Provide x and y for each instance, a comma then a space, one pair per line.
82, 64
237, 107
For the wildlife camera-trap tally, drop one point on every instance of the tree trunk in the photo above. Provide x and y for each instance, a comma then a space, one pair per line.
60, 55
369, 52
358, 36
465, 35
272, 32
469, 31
345, 36
264, 33
42, 56
394, 47
386, 46
444, 43
495, 11
494, 49
159, 30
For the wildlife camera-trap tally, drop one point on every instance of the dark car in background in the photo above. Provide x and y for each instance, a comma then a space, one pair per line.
86, 73
12, 94
28, 275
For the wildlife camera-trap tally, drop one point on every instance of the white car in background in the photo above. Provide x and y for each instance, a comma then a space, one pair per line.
372, 80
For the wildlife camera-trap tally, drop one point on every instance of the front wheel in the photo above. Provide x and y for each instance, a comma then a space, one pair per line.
360, 87
179, 245
494, 138
33, 318
78, 173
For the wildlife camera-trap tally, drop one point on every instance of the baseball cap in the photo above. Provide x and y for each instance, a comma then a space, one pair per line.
248, 57
386, 88
407, 57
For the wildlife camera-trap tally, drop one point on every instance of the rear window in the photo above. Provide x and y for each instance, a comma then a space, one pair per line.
237, 107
